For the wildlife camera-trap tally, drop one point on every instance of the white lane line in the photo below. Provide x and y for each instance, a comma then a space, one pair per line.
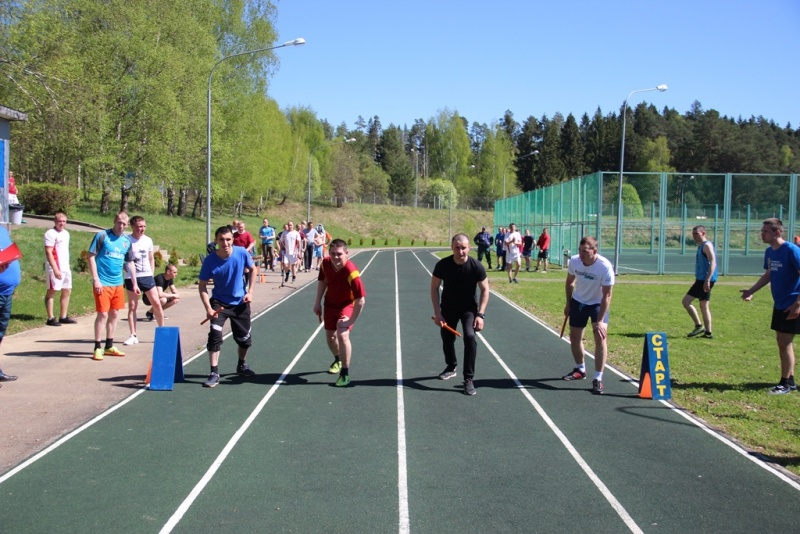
44, 452
626, 518
677, 409
615, 504
402, 461
189, 500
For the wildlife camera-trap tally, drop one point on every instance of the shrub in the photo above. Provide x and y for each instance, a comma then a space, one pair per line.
158, 258
398, 241
361, 241
412, 242
47, 199
194, 260
82, 265
425, 243
174, 257
386, 242
373, 241
349, 241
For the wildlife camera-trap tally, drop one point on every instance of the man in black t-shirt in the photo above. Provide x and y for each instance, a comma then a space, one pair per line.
461, 276
164, 281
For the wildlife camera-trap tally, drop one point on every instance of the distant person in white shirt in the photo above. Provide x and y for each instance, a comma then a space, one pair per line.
144, 260
57, 270
590, 278
513, 244
291, 243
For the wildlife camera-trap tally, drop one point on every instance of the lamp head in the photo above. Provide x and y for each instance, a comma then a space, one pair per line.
297, 42
662, 87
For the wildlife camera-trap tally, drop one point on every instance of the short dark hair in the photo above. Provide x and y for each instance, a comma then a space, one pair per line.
339, 243
222, 230
136, 219
589, 240
775, 224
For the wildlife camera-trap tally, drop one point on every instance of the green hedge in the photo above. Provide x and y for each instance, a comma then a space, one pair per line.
47, 199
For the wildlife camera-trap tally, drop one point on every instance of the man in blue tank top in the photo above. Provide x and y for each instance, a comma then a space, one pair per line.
705, 273
782, 272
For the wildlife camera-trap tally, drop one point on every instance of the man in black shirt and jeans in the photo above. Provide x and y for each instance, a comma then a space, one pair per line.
484, 241
461, 275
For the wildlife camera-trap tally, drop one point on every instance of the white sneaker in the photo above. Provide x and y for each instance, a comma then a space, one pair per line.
133, 340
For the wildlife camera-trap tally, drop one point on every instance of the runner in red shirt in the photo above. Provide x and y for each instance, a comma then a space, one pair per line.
544, 248
340, 282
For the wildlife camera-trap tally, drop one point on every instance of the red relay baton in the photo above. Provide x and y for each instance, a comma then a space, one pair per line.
445, 326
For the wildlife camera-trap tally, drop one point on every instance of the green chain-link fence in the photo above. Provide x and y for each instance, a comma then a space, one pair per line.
659, 211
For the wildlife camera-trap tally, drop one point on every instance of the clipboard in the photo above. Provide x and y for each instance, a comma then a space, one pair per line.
9, 254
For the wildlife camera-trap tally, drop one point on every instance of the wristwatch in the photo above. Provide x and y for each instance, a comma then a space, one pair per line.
481, 315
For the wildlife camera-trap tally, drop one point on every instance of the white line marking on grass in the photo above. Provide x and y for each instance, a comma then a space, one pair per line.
402, 462
189, 500
680, 411
615, 504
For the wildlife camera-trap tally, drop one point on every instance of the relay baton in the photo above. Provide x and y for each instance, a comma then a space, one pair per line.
446, 326
212, 315
563, 326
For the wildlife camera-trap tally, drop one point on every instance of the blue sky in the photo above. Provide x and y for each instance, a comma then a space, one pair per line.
404, 60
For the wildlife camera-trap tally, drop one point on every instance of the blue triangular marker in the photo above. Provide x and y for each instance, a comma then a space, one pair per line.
167, 367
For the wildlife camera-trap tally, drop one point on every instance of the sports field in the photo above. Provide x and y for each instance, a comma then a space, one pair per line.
399, 450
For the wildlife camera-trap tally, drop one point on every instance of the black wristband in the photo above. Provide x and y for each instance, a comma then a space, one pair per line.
481, 315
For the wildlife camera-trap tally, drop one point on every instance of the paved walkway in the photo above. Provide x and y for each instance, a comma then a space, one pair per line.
60, 387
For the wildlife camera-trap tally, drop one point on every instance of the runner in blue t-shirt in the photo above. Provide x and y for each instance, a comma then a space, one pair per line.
229, 299
705, 275
109, 252
267, 235
782, 272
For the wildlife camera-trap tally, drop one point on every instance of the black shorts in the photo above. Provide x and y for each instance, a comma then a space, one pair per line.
543, 254
239, 316
781, 324
145, 283
697, 292
579, 314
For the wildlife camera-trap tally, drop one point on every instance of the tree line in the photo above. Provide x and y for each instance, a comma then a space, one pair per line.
116, 97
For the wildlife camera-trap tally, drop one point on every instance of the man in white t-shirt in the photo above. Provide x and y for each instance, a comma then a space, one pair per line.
291, 243
144, 260
57, 270
512, 244
590, 278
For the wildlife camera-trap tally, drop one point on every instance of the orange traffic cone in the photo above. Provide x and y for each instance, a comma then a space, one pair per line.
644, 387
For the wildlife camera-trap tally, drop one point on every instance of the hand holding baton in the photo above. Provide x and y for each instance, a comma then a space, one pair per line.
446, 326
212, 315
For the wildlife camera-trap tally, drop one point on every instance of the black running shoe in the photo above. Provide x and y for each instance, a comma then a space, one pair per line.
150, 316
575, 374
67, 320
469, 387
53, 322
698, 330
244, 370
597, 387
447, 374
213, 380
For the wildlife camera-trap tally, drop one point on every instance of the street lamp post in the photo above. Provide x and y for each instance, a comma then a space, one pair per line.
618, 243
310, 159
296, 42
